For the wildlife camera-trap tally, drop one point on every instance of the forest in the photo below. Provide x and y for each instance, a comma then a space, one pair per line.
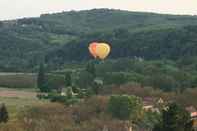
25, 43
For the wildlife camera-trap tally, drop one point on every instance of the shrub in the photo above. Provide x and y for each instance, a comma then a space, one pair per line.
3, 114
125, 107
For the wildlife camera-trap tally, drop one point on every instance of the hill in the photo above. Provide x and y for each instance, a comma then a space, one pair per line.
64, 37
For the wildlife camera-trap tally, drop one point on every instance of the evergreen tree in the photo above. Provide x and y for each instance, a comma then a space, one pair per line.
85, 80
91, 69
41, 79
68, 79
3, 114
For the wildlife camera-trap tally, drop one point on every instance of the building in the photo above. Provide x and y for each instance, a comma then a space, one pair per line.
193, 113
152, 104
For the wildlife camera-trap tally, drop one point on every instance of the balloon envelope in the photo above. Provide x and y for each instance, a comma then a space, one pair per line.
92, 49
102, 50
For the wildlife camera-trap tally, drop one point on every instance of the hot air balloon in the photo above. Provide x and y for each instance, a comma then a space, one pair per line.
102, 50
92, 49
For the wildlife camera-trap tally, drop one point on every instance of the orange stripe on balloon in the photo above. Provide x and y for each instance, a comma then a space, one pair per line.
92, 49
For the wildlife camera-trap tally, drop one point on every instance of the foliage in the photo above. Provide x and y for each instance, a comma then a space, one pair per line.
91, 69
115, 78
68, 79
149, 120
175, 118
64, 37
3, 114
167, 75
96, 87
55, 81
125, 107
41, 80
84, 80
67, 99
164, 82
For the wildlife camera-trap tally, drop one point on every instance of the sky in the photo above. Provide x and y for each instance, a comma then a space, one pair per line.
13, 9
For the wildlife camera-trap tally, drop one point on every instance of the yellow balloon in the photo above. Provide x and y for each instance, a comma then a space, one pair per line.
102, 50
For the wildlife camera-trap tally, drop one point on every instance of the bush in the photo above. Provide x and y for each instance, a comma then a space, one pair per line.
42, 96
57, 98
55, 82
115, 78
125, 107
3, 114
175, 118
84, 80
67, 100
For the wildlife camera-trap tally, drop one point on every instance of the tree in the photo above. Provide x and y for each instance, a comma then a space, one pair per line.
84, 80
175, 118
160, 81
68, 79
41, 79
115, 78
125, 107
91, 69
3, 114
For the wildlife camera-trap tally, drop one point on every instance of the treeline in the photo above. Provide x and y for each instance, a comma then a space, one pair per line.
167, 75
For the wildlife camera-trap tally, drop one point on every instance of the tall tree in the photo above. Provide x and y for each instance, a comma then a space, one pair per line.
91, 69
68, 79
41, 79
85, 80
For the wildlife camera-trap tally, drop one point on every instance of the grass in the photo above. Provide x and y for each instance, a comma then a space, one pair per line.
16, 100
18, 80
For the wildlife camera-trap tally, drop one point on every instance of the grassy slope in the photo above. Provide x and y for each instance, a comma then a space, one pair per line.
17, 100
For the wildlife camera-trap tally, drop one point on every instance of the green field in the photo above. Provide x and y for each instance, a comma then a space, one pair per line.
17, 100
18, 80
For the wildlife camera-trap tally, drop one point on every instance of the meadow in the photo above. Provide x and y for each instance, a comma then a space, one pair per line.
18, 80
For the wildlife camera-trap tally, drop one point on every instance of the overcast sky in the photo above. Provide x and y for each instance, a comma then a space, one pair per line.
11, 9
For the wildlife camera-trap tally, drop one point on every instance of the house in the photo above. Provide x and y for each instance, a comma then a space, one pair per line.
151, 104
193, 113
148, 103
153, 101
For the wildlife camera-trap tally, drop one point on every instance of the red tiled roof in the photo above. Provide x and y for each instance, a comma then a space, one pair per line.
194, 114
